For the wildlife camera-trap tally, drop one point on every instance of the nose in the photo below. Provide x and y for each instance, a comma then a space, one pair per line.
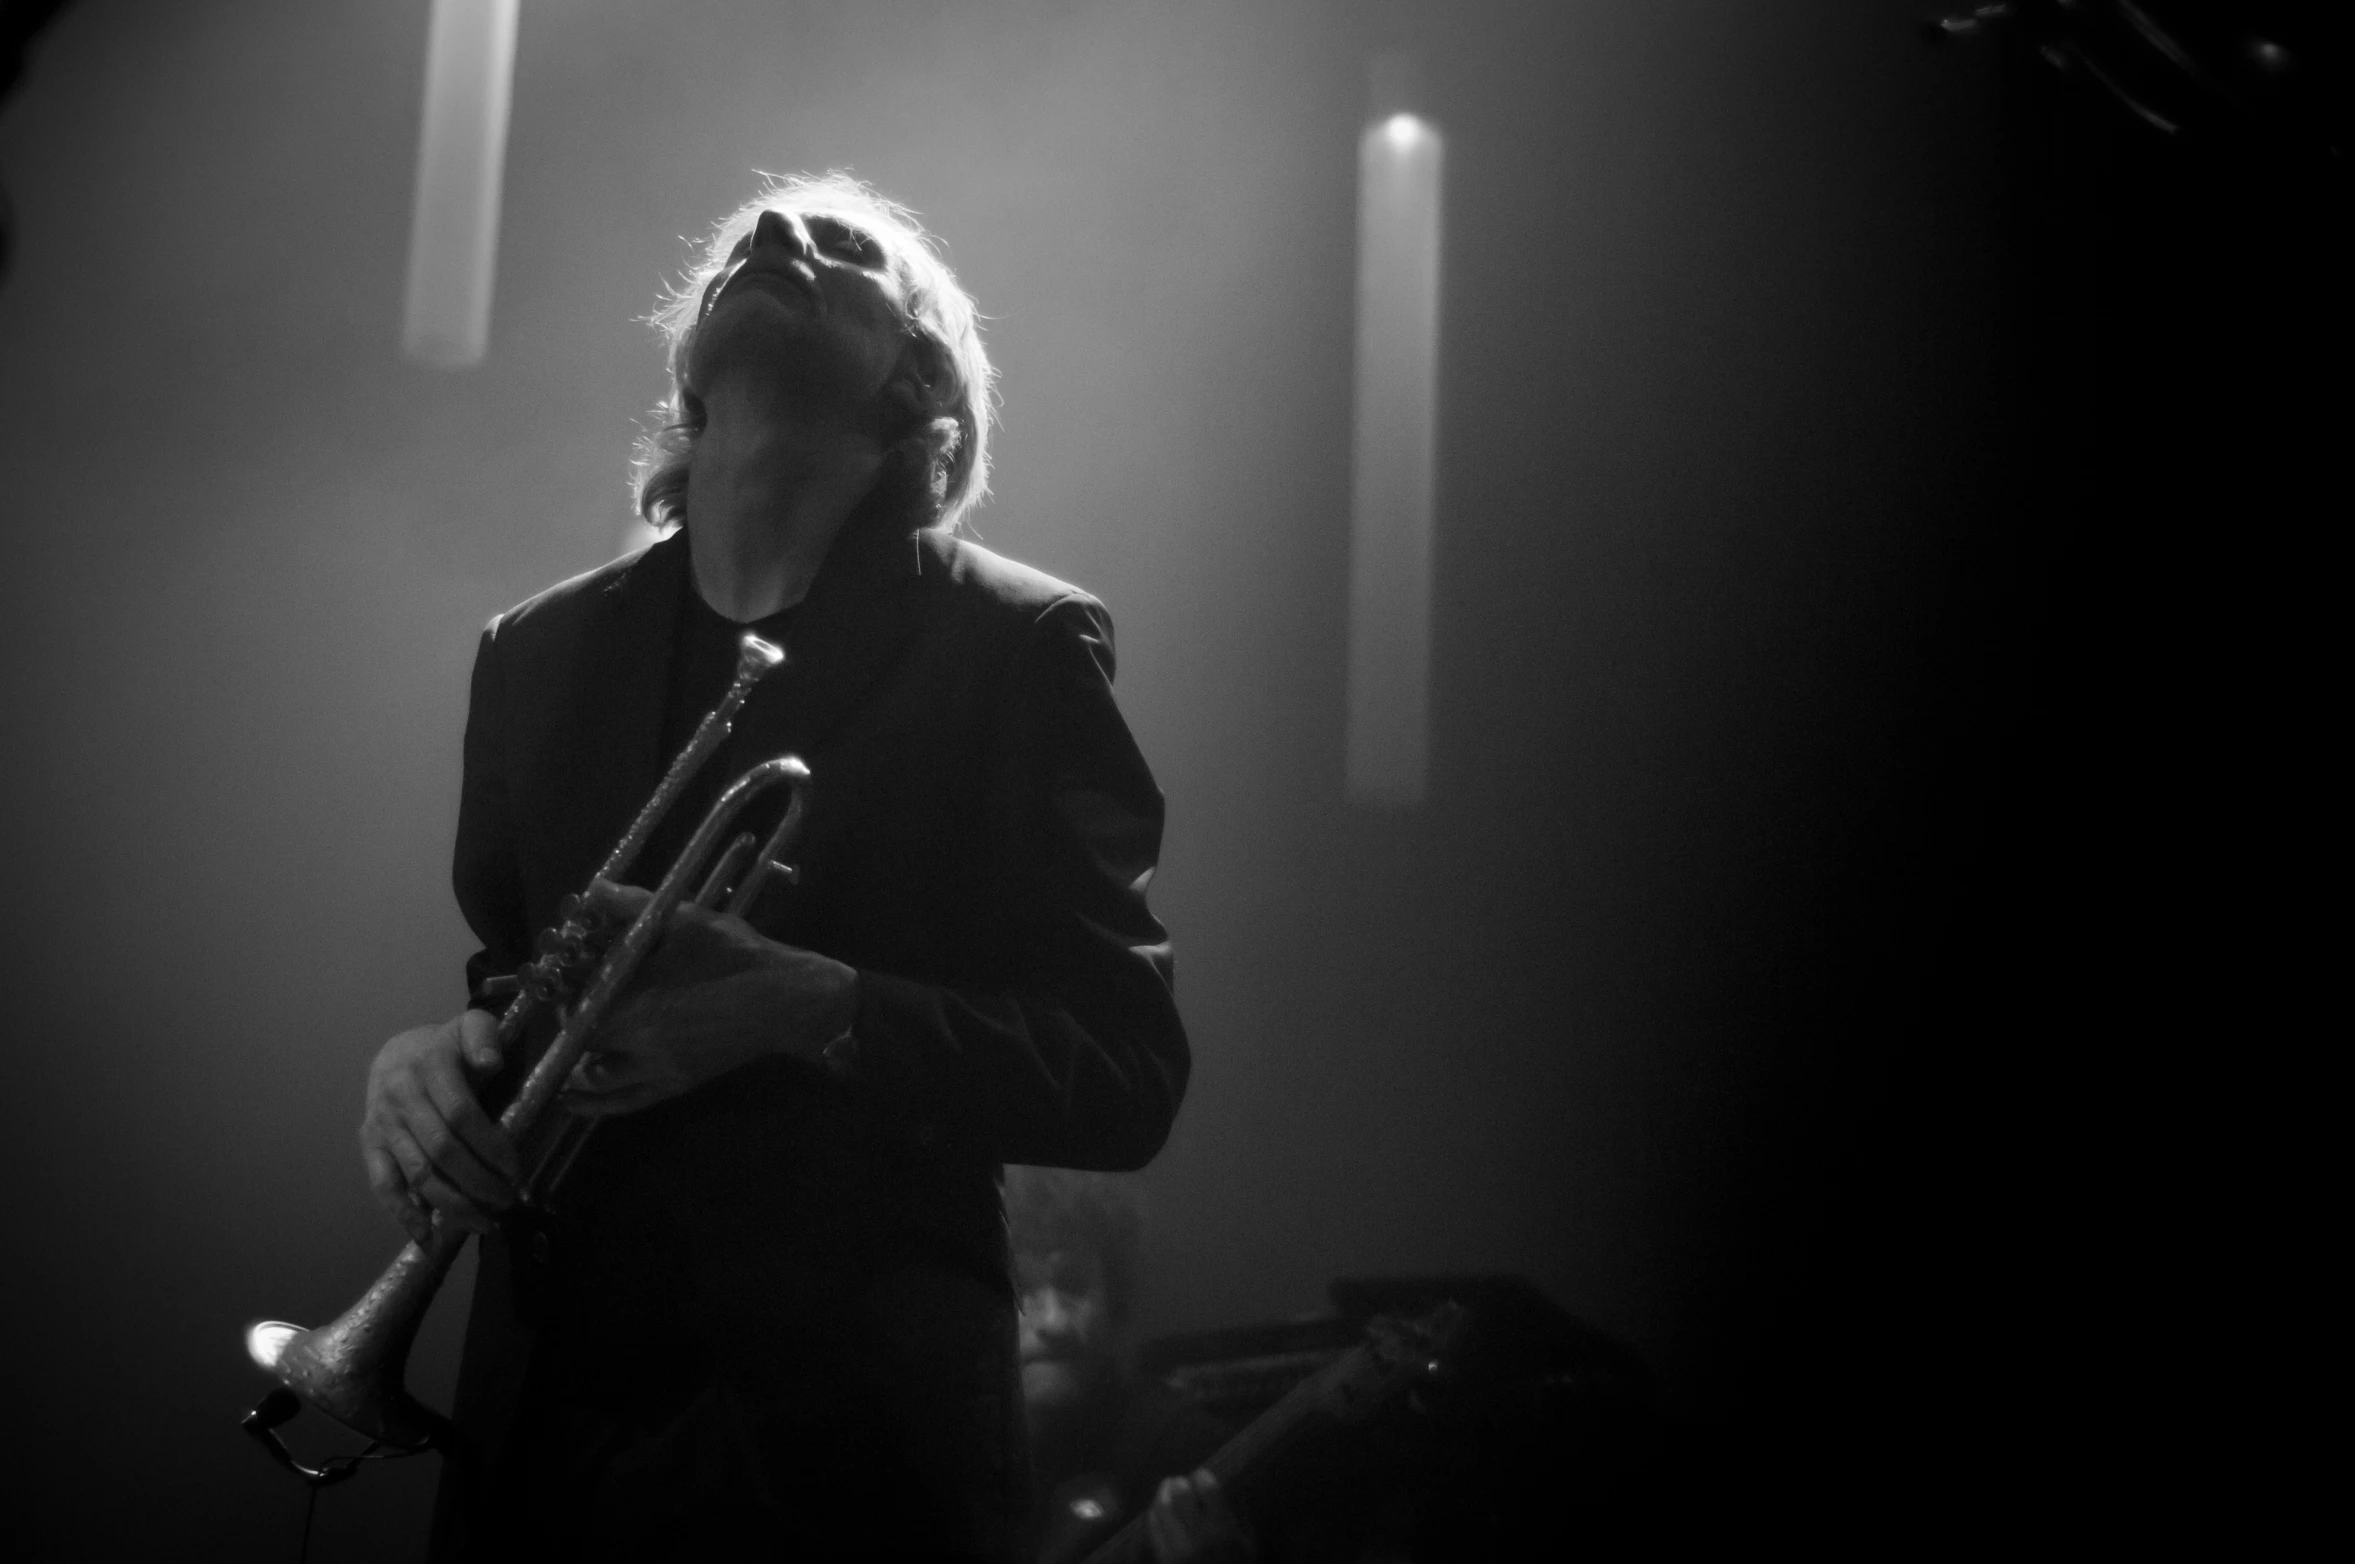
1046, 1311
783, 231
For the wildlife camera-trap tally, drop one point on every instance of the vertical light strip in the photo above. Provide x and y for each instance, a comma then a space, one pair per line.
461, 150
1392, 467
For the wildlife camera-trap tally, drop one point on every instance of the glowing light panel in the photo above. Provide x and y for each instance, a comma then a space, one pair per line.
461, 151
1393, 461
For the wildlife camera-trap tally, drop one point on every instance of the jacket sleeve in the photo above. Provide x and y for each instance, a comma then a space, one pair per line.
1082, 1060
484, 869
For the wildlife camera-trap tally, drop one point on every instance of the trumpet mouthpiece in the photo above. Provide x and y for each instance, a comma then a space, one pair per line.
755, 657
266, 1342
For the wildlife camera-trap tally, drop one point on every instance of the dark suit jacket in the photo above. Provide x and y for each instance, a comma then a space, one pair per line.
777, 1308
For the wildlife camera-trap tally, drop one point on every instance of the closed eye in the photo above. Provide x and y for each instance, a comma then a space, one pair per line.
845, 242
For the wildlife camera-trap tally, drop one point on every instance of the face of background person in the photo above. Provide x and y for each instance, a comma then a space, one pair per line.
1068, 1337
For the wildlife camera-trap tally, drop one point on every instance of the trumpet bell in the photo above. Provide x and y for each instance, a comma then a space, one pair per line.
266, 1342
351, 1368
320, 1368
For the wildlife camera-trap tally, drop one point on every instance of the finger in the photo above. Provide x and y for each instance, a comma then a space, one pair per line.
1162, 1535
1175, 1500
585, 1089
683, 953
687, 914
619, 1051
608, 1069
627, 1030
478, 1039
392, 1192
619, 903
416, 1225
593, 1078
384, 1179
605, 1096
433, 1191
482, 1157
449, 1208
433, 1158
632, 1048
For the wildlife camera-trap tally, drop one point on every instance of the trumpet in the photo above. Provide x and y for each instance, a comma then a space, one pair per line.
352, 1369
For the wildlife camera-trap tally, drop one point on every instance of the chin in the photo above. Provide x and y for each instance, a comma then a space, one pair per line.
1052, 1384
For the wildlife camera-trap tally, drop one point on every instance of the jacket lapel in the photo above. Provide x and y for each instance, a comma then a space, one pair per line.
859, 617
860, 614
626, 671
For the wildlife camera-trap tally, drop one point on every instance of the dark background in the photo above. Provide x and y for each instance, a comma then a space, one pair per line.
1856, 948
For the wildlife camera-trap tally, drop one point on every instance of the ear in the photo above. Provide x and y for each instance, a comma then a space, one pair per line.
921, 397
924, 386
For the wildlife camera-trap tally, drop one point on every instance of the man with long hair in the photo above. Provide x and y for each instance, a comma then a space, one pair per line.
1106, 1444
770, 1312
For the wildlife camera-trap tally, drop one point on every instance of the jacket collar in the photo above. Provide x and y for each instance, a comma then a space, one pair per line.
858, 618
859, 615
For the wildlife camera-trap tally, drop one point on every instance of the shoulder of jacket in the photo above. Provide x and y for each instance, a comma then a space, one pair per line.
556, 610
990, 584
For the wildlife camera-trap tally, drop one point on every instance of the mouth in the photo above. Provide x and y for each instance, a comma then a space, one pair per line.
1040, 1373
783, 279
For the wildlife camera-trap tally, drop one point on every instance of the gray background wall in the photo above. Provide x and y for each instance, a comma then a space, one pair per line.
1718, 303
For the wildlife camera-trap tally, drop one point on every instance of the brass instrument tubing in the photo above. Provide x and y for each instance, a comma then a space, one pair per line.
622, 957
756, 659
350, 1368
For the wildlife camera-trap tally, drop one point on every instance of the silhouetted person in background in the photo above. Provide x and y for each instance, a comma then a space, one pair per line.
1105, 1444
771, 1314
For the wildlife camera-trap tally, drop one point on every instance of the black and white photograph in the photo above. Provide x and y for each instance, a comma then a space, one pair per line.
1169, 781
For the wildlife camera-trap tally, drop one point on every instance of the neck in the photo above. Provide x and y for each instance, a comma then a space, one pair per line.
767, 493
1065, 1435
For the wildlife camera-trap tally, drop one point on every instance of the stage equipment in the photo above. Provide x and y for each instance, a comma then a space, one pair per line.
352, 1368
1393, 1358
2263, 80
1522, 1433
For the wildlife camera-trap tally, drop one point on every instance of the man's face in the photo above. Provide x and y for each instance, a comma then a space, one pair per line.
1067, 1331
807, 310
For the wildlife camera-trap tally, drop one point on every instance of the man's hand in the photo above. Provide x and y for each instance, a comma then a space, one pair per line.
1191, 1522
711, 997
427, 1143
